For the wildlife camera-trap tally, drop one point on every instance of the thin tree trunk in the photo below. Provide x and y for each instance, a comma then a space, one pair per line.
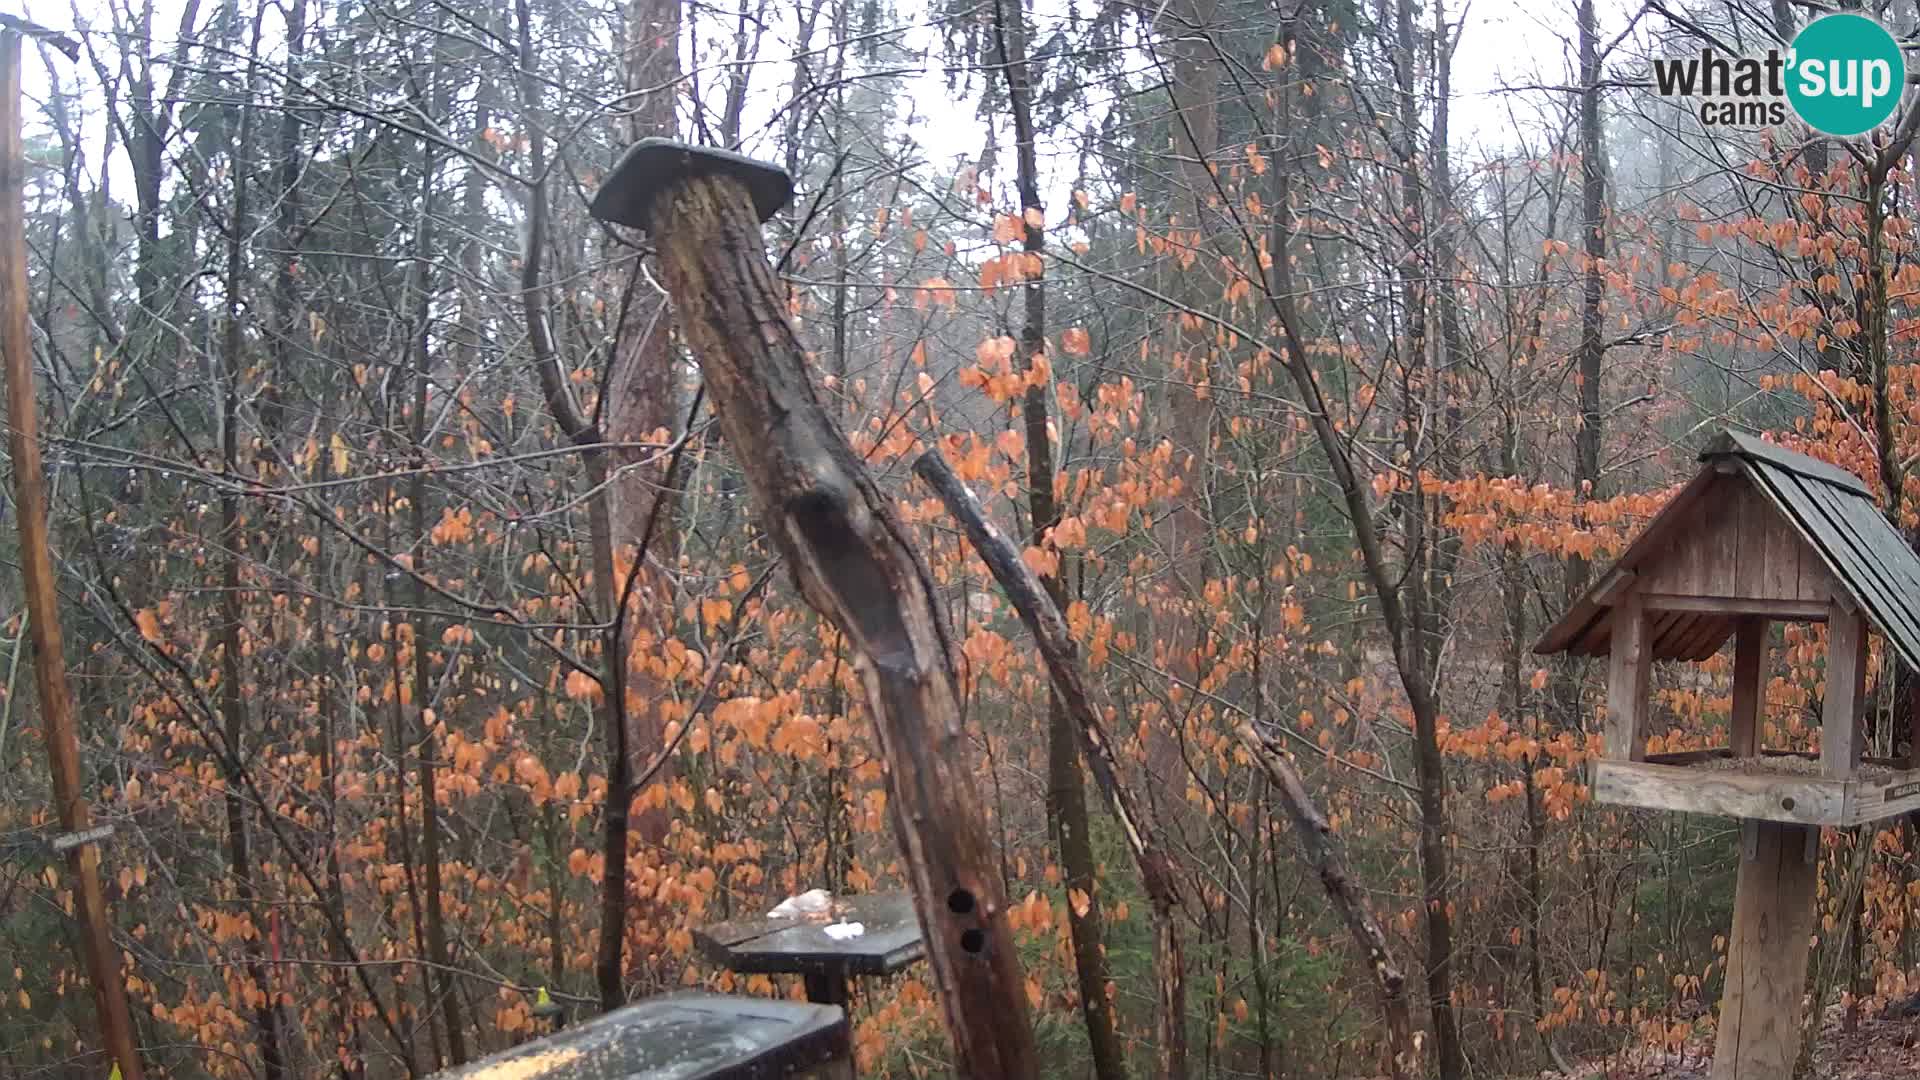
233, 539
99, 955
1066, 791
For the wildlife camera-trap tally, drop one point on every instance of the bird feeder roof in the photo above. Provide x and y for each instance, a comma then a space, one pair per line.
1758, 524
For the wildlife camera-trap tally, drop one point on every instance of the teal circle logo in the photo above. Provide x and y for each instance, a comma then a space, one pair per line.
1845, 75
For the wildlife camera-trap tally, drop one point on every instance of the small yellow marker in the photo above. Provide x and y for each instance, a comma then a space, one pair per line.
115, 1074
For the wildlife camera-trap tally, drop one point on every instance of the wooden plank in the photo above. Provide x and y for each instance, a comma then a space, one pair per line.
1896, 797
1613, 586
1842, 733
1723, 541
1595, 639
1688, 757
1681, 563
1773, 907
1804, 800
1786, 552
1708, 635
1580, 616
891, 940
1747, 722
1629, 670
1793, 610
1758, 521
1666, 633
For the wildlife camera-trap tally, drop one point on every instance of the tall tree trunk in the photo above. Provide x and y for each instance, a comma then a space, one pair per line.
609, 597
426, 740
1066, 789
1593, 248
233, 677
1422, 629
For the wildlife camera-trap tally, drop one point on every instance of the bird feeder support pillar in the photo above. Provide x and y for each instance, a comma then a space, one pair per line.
1749, 685
1760, 1010
1629, 671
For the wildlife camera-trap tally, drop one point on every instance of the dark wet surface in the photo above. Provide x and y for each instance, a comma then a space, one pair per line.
801, 946
678, 1037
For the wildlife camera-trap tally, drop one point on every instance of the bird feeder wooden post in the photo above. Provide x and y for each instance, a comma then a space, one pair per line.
848, 553
1760, 535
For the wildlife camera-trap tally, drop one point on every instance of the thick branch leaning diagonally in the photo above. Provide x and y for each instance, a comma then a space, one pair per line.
849, 556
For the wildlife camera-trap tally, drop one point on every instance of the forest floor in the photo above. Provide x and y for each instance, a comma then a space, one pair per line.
1879, 1048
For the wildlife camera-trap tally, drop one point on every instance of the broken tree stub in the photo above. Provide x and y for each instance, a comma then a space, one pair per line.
1761, 534
849, 556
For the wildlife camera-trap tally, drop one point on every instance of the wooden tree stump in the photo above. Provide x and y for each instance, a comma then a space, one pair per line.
1760, 1009
850, 558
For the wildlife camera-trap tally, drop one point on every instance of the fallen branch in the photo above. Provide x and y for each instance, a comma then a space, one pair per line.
1320, 851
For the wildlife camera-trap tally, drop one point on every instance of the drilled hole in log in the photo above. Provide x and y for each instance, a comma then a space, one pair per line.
960, 901
1786, 803
973, 940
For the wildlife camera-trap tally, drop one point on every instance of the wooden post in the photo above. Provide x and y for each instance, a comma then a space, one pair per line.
1629, 670
1744, 733
1841, 735
98, 953
849, 557
1759, 1036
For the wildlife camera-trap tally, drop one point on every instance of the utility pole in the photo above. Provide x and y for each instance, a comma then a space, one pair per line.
97, 950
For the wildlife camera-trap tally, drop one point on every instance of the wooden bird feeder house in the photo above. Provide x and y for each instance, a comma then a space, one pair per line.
1761, 534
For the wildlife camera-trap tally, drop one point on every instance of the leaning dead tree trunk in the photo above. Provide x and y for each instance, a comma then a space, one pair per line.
1049, 629
850, 558
1318, 849
1042, 616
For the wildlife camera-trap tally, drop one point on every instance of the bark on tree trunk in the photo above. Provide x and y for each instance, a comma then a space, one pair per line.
640, 396
851, 561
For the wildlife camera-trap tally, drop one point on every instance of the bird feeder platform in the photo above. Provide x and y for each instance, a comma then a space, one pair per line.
689, 1036
1722, 783
1761, 534
890, 940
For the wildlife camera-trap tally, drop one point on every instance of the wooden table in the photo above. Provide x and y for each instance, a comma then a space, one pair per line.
801, 946
690, 1036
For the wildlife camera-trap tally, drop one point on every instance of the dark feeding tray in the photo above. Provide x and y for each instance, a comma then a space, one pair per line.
689, 1036
650, 166
801, 946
